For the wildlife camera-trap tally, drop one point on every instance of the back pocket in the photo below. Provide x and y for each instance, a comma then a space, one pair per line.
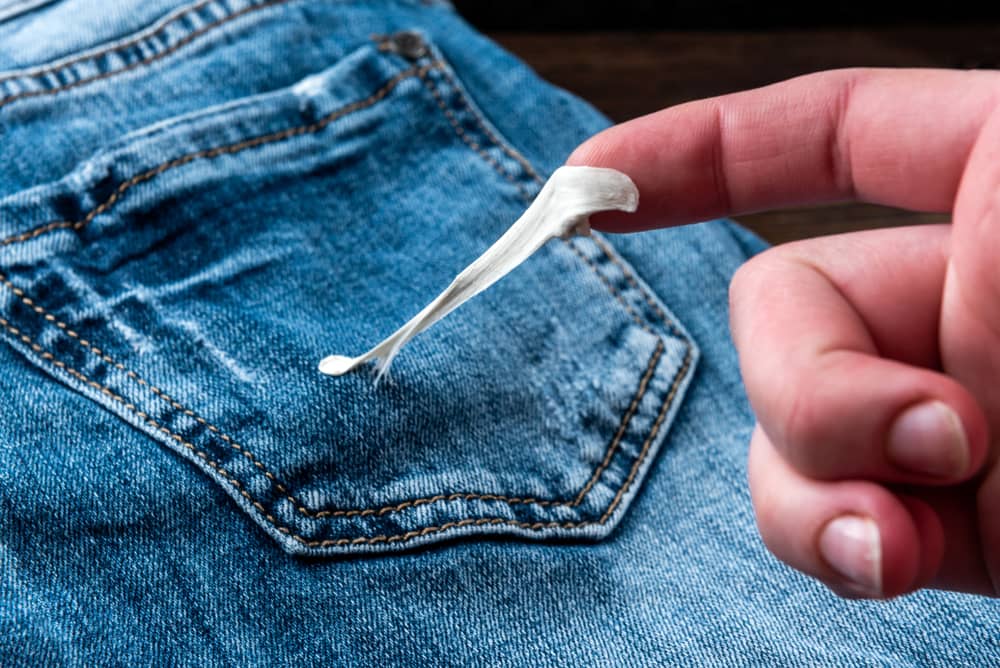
190, 278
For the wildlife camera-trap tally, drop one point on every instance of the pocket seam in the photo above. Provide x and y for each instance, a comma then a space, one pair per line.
421, 72
281, 487
533, 173
138, 39
226, 149
403, 537
471, 143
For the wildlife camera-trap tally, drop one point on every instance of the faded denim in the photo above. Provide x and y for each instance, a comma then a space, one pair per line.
198, 201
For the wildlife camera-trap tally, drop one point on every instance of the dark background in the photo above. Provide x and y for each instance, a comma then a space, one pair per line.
688, 50
570, 15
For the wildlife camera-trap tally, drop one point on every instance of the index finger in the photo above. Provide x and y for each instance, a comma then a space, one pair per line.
894, 137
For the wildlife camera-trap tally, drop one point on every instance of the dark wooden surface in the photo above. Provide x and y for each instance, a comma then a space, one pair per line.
627, 74
568, 15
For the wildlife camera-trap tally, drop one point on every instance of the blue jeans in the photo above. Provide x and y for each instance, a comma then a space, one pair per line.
199, 201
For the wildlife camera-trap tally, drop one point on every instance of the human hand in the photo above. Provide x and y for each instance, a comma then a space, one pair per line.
869, 358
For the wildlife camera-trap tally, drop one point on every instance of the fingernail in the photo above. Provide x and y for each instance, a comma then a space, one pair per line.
928, 438
851, 546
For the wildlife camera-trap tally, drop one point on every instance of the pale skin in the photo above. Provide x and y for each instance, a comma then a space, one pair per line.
872, 360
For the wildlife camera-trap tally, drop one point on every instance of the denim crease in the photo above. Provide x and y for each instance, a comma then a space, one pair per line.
198, 200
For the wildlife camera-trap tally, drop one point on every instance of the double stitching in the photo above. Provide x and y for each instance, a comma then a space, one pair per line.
299, 505
282, 488
474, 145
531, 172
409, 535
184, 41
138, 38
215, 152
608, 253
107, 391
420, 72
536, 526
37, 308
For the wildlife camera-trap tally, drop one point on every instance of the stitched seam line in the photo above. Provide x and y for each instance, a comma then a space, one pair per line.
613, 447
277, 136
140, 37
184, 41
667, 403
107, 391
518, 157
299, 506
631, 279
510, 151
535, 526
467, 496
608, 252
635, 285
216, 151
472, 143
421, 72
142, 381
515, 155
611, 288
416, 533
611, 255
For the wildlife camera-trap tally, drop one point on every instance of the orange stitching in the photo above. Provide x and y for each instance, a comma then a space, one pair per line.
299, 506
228, 149
611, 288
678, 377
403, 537
45, 354
608, 252
158, 56
668, 401
472, 143
510, 151
140, 37
464, 496
613, 448
107, 391
421, 72
631, 279
609, 454
142, 381
628, 277
535, 526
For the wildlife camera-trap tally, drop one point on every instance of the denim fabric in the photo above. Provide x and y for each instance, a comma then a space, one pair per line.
200, 201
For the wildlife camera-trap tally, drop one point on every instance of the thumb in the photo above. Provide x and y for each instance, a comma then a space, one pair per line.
970, 316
